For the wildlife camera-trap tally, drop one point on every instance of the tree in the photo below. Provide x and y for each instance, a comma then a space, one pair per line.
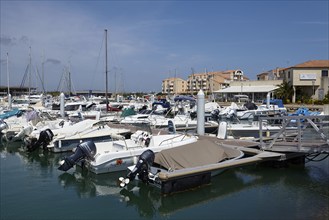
285, 91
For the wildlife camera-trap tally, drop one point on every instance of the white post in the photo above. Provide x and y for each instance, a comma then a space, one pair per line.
268, 97
9, 101
62, 105
200, 113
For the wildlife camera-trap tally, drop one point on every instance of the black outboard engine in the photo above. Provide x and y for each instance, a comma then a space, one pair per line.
215, 114
85, 149
142, 168
171, 127
44, 139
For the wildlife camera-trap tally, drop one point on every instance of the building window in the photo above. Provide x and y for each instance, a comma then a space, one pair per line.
324, 73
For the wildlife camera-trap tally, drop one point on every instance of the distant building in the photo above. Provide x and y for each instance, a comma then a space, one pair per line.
270, 75
311, 77
174, 86
256, 90
211, 81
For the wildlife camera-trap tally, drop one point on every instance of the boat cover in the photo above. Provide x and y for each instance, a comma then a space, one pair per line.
199, 153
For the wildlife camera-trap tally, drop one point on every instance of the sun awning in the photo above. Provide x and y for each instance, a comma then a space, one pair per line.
247, 89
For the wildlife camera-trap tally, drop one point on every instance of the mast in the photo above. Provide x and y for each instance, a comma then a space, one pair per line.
43, 72
30, 72
8, 73
106, 82
9, 95
69, 76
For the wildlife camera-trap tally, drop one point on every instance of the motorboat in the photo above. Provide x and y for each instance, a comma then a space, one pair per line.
68, 137
181, 168
249, 111
17, 128
255, 129
105, 157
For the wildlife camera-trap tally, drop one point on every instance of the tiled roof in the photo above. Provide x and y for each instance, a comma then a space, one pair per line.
314, 64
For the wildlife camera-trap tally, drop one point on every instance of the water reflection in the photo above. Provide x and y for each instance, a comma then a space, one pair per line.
299, 182
45, 160
148, 200
88, 184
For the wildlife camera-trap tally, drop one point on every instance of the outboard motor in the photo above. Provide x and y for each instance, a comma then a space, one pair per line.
142, 168
44, 139
3, 125
231, 114
215, 114
171, 127
85, 149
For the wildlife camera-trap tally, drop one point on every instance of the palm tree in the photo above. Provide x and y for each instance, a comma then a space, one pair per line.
285, 91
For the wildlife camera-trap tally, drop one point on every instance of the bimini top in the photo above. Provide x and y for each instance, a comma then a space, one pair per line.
180, 98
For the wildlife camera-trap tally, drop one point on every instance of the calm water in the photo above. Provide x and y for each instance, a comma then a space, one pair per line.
33, 188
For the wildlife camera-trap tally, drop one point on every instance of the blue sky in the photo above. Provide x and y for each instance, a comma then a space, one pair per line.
149, 41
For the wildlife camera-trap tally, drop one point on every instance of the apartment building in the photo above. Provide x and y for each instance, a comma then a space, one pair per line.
174, 85
211, 81
208, 82
310, 77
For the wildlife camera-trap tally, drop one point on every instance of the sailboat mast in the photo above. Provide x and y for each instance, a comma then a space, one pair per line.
106, 80
43, 72
69, 75
8, 73
30, 72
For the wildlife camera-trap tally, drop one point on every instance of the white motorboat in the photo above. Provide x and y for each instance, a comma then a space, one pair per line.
249, 111
17, 128
255, 129
68, 137
105, 157
184, 167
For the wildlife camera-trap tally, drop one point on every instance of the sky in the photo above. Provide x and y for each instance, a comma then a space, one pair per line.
149, 41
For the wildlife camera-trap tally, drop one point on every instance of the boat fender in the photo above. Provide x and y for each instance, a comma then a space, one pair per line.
141, 169
85, 150
44, 139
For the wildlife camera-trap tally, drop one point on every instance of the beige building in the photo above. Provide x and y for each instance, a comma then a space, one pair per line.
270, 75
174, 86
211, 81
311, 77
256, 90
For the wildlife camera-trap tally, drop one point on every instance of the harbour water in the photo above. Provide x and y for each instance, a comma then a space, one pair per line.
33, 188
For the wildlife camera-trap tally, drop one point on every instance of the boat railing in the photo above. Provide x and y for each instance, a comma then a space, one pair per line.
172, 138
299, 123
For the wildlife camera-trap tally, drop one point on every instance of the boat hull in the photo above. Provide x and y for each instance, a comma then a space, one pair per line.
186, 182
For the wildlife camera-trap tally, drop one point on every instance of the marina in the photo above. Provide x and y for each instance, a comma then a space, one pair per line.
32, 183
145, 110
160, 164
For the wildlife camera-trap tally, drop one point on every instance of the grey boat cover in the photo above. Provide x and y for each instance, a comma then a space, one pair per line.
199, 153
